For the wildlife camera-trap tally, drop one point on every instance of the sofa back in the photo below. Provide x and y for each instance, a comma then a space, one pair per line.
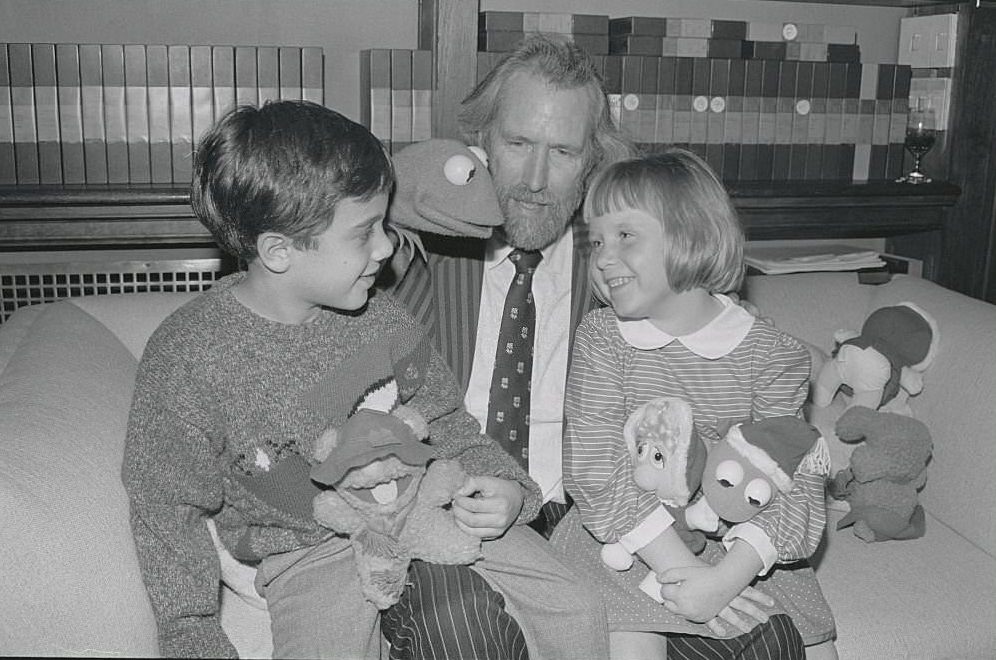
958, 402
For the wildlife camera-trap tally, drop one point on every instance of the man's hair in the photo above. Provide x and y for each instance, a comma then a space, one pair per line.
562, 65
703, 239
282, 168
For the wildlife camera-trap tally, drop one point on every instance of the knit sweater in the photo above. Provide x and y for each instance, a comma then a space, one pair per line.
226, 410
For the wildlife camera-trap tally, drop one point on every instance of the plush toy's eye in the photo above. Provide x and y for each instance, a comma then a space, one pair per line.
459, 169
641, 450
729, 473
658, 459
758, 493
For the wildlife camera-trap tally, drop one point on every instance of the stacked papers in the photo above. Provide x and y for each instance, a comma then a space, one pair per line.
778, 260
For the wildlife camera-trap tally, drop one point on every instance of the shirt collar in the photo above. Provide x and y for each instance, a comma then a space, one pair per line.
714, 340
497, 251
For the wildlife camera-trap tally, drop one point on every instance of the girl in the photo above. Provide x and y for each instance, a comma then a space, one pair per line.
665, 245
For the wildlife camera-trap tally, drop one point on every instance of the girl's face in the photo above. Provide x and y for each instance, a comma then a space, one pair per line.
627, 263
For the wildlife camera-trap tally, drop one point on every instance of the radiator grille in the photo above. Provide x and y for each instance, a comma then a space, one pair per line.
31, 283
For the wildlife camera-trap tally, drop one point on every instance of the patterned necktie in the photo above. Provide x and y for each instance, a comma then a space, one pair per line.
508, 410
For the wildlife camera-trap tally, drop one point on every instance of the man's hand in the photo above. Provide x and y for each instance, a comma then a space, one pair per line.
486, 507
707, 595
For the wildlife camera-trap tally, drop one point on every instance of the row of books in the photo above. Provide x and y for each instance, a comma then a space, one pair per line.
396, 95
116, 113
799, 162
501, 31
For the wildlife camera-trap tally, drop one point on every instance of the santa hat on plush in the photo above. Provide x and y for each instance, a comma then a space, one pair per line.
776, 446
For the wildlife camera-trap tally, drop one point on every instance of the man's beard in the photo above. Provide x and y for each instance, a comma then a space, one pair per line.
536, 231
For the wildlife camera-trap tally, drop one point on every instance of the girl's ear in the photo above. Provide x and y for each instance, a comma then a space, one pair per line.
274, 251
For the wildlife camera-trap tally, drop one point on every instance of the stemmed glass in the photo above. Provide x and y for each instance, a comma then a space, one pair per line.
920, 137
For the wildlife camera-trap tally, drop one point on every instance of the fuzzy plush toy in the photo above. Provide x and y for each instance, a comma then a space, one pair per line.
443, 188
885, 474
749, 467
382, 495
883, 365
668, 457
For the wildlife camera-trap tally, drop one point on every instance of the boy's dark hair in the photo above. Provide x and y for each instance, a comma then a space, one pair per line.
282, 168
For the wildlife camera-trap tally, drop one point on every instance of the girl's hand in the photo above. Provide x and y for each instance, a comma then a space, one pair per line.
707, 595
486, 507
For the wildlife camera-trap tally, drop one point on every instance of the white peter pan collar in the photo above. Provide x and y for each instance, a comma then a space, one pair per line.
712, 341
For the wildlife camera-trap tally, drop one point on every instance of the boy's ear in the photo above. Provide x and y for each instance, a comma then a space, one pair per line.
274, 251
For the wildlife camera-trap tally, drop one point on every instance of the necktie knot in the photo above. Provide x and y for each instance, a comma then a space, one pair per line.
525, 261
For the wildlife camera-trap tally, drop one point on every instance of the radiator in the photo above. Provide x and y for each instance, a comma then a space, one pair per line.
32, 278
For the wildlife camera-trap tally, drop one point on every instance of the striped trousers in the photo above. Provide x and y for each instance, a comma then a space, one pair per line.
453, 613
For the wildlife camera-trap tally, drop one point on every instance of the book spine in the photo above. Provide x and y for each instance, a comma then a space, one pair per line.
379, 93
181, 120
422, 95
47, 113
160, 149
223, 76
268, 74
246, 87
137, 114
22, 96
313, 74
289, 72
8, 166
92, 94
401, 98
201, 92
67, 73
115, 121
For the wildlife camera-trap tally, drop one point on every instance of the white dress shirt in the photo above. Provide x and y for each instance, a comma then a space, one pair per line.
552, 298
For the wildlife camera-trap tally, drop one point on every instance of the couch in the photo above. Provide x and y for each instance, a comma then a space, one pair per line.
72, 583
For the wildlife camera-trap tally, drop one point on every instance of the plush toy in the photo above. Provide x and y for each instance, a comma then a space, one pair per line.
444, 188
885, 474
739, 476
883, 365
668, 457
382, 495
747, 469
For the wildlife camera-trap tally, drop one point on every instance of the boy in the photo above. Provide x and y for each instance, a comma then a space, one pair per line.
235, 387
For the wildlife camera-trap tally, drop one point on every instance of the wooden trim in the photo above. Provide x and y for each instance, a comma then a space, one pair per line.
46, 217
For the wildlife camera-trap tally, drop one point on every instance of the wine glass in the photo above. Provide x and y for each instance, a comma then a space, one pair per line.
920, 138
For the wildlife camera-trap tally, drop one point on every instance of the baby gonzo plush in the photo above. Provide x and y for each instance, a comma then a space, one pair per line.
391, 505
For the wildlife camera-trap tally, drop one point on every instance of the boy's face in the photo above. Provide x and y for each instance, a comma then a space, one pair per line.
341, 270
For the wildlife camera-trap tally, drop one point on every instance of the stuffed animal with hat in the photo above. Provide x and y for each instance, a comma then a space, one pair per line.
883, 365
885, 474
443, 188
388, 496
751, 466
668, 457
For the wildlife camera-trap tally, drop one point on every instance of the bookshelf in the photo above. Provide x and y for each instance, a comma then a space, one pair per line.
916, 222
61, 218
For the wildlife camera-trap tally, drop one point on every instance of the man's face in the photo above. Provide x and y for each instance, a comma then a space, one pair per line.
538, 158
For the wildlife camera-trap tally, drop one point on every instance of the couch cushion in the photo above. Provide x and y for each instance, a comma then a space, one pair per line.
65, 391
132, 316
931, 597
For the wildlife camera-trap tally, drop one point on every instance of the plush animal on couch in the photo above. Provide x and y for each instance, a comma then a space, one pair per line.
885, 474
384, 497
883, 365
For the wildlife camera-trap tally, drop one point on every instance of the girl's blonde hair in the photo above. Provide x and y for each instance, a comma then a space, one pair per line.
703, 239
